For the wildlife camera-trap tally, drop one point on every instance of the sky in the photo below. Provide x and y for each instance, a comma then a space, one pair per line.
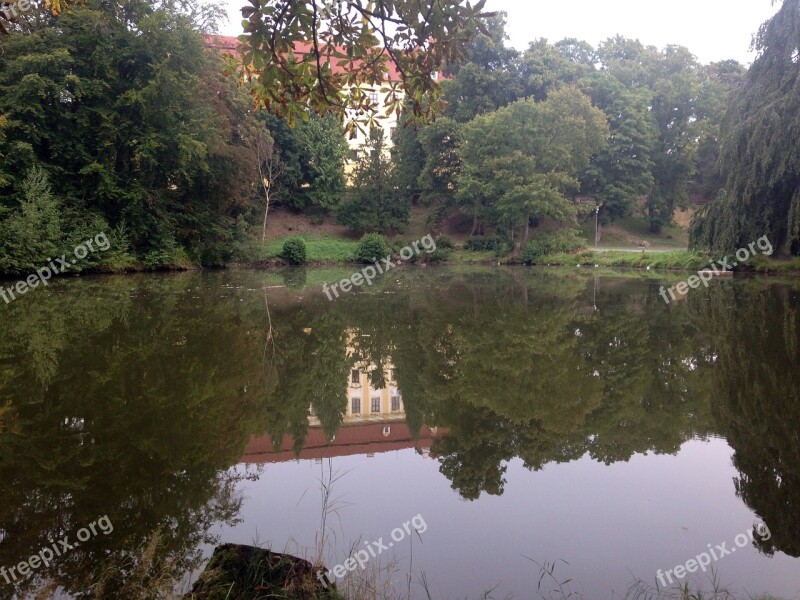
713, 30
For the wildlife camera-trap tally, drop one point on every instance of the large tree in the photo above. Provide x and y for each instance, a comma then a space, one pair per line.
760, 157
520, 162
133, 123
622, 172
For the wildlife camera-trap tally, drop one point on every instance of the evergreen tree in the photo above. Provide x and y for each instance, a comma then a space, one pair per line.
373, 202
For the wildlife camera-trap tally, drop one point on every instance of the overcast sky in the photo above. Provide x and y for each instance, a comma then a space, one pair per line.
712, 29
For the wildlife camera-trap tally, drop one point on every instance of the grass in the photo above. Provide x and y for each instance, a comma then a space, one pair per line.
322, 248
620, 233
680, 259
329, 249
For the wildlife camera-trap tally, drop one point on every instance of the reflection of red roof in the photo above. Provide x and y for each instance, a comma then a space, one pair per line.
230, 44
350, 440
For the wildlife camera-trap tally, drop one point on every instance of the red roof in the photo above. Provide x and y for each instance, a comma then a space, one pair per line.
368, 438
223, 43
230, 44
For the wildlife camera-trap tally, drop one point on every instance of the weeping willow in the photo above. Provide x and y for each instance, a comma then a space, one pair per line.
760, 149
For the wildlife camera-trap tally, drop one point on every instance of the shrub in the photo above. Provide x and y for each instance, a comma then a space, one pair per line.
444, 247
371, 247
480, 243
551, 243
294, 251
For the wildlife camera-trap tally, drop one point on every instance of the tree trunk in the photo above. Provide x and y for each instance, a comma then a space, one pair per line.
266, 211
527, 230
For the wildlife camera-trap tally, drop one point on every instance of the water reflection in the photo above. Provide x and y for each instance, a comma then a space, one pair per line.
133, 396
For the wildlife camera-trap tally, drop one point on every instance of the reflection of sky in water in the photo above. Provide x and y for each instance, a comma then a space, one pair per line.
607, 522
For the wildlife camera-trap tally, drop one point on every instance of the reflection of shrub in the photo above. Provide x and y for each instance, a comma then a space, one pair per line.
371, 247
294, 251
294, 278
551, 243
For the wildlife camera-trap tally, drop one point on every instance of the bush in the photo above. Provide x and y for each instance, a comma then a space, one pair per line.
444, 247
372, 247
294, 251
479, 243
551, 243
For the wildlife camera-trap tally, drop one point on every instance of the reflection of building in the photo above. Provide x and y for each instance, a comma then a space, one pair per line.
353, 440
366, 403
374, 421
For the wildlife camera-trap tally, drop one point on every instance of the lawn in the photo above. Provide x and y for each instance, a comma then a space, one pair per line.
319, 247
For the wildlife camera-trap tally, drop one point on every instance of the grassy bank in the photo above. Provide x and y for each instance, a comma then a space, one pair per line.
321, 248
326, 249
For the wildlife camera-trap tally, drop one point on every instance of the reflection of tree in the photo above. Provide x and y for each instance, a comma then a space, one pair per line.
133, 398
137, 413
757, 401
514, 365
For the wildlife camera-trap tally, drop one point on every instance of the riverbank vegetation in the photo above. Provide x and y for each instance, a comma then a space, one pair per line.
153, 140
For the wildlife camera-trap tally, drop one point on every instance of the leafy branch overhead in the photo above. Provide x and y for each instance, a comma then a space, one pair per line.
327, 55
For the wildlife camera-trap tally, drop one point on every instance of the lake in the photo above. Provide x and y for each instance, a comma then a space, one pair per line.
528, 432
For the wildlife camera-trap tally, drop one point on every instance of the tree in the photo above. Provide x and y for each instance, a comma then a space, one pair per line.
349, 46
144, 132
544, 67
31, 234
621, 173
408, 157
311, 161
270, 169
439, 141
487, 79
759, 161
671, 78
373, 202
719, 81
521, 161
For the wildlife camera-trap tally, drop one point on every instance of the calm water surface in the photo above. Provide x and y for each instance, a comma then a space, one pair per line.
530, 419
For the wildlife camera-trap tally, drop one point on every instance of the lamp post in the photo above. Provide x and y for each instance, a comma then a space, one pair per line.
596, 218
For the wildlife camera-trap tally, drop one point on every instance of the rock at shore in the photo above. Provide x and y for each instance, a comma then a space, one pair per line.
237, 572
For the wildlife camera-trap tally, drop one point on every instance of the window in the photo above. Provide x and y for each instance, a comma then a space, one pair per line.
395, 403
376, 405
312, 411
435, 75
355, 406
373, 97
355, 376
